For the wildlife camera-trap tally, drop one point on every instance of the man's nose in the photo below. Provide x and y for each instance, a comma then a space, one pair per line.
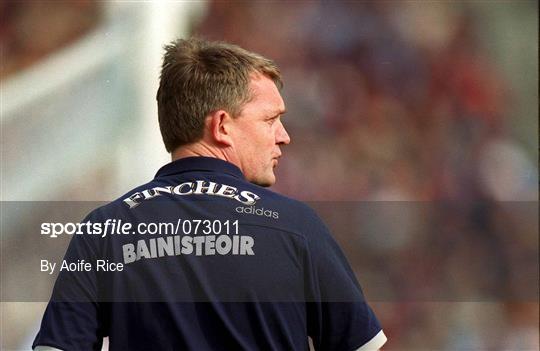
282, 137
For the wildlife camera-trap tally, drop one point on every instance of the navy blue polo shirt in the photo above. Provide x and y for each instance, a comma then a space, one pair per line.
201, 259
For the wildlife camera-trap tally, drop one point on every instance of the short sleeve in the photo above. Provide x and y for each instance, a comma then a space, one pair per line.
339, 317
72, 318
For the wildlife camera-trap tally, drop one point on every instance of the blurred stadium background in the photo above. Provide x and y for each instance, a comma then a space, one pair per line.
414, 127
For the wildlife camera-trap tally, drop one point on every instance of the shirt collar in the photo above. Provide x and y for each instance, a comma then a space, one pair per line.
199, 163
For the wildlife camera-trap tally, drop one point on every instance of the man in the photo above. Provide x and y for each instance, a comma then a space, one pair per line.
235, 266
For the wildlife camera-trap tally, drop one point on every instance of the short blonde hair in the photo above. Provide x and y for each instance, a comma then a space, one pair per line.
198, 77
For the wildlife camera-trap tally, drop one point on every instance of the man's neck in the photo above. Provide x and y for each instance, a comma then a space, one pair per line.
201, 149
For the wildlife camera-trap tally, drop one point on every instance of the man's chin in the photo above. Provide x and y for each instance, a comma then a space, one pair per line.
264, 181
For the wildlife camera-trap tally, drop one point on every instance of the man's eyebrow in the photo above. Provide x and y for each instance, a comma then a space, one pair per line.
280, 112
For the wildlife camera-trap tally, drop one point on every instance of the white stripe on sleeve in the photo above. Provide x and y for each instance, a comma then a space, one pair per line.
375, 343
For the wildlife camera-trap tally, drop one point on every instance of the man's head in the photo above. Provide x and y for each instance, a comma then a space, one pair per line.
257, 133
227, 98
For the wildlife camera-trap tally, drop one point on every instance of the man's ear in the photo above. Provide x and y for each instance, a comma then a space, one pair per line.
219, 125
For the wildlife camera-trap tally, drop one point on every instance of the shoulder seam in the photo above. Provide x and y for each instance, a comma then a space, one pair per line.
275, 228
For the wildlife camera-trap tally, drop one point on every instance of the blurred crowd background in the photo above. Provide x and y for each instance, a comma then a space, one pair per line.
414, 131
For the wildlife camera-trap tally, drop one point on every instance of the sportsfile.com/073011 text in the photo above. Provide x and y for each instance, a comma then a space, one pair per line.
117, 226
